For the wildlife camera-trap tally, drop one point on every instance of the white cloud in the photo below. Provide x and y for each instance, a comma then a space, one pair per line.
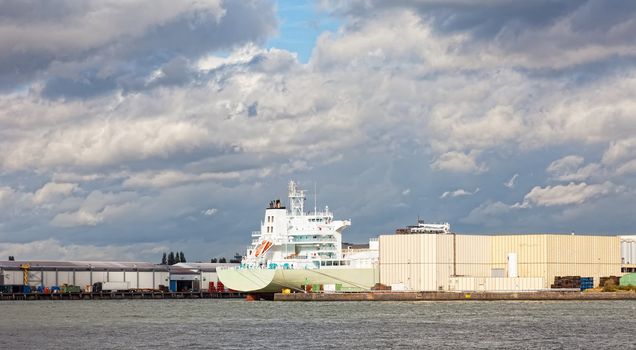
512, 182
569, 194
210, 211
620, 151
53, 249
170, 178
569, 168
458, 162
96, 208
6, 194
458, 193
101, 143
53, 191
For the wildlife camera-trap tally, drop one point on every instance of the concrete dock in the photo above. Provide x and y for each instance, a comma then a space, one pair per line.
121, 295
450, 296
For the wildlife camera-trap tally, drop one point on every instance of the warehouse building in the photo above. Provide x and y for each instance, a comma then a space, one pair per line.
438, 262
138, 275
195, 276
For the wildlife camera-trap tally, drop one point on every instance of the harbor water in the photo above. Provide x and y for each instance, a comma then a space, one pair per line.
238, 324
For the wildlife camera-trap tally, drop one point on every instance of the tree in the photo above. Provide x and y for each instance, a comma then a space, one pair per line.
182, 257
213, 260
177, 258
222, 261
11, 258
164, 259
171, 258
237, 259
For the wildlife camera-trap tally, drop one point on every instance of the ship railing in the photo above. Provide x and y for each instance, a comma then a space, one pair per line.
312, 240
256, 233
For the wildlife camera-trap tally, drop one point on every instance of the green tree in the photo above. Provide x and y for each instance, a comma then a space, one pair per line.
213, 260
171, 258
164, 259
182, 257
222, 261
177, 258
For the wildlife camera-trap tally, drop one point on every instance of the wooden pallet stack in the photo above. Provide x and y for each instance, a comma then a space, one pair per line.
567, 282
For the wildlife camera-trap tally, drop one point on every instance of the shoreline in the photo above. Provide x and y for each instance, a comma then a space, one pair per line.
455, 296
140, 295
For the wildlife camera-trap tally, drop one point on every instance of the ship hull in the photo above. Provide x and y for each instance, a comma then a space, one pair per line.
275, 280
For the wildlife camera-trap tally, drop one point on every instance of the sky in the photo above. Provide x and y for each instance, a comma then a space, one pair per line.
132, 128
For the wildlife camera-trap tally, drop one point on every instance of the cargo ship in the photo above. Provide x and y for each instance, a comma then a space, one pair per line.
298, 250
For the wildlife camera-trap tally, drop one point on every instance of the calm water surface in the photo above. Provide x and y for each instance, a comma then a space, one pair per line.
237, 324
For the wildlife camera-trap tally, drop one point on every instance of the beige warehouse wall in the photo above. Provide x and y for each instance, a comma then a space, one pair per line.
549, 255
425, 261
531, 254
444, 261
409, 259
585, 256
473, 255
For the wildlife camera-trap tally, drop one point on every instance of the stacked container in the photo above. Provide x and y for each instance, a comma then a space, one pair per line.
587, 283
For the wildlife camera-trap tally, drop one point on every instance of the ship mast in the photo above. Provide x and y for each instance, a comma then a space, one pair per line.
296, 200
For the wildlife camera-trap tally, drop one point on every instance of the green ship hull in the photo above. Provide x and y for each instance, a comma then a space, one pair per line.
275, 280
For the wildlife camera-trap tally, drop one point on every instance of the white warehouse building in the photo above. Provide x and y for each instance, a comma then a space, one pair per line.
138, 275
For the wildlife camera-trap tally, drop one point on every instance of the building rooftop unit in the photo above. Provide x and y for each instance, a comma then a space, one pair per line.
423, 227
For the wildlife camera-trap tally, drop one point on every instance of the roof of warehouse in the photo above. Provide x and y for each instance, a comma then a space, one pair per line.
111, 265
203, 267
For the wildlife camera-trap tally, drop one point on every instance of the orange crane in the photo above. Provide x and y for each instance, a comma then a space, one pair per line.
25, 273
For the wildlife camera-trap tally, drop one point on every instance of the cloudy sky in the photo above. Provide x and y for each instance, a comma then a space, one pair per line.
131, 128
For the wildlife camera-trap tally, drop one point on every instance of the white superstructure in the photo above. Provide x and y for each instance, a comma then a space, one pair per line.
292, 238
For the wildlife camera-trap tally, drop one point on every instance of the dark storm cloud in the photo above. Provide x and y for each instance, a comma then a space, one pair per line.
484, 18
77, 56
487, 18
537, 28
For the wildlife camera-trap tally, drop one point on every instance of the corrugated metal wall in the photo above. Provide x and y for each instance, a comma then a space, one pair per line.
531, 254
131, 278
444, 263
115, 276
83, 278
145, 280
425, 261
409, 259
585, 256
473, 255
162, 278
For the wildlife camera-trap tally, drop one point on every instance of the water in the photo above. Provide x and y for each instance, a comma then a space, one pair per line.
237, 324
